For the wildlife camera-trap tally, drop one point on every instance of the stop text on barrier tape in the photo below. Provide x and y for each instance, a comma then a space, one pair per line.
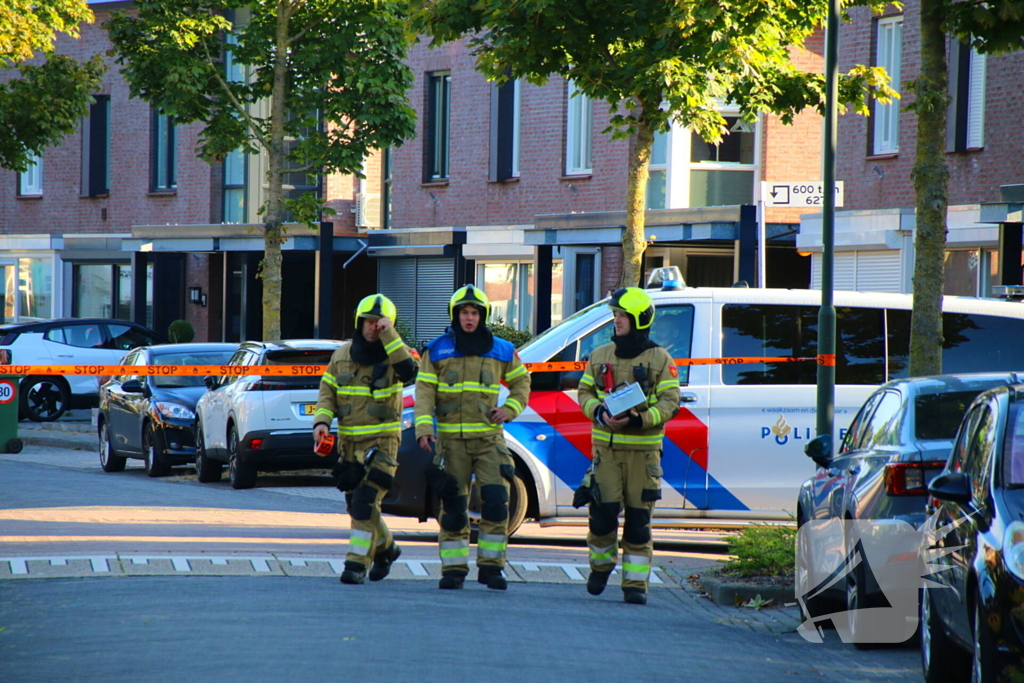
318, 370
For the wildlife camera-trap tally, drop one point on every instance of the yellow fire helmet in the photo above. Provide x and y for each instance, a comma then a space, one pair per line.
469, 294
636, 303
376, 306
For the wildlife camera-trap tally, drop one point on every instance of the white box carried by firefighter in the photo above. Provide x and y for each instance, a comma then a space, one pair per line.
624, 398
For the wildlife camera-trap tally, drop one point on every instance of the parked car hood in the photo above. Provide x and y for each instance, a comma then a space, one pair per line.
186, 396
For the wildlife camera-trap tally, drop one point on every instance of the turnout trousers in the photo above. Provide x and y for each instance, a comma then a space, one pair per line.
489, 459
370, 534
629, 481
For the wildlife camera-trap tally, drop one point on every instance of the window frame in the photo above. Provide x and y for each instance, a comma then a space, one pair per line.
95, 180
579, 132
30, 181
163, 170
885, 128
437, 144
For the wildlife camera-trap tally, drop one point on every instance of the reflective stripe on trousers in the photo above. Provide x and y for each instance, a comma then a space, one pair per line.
491, 545
360, 542
636, 568
603, 556
454, 553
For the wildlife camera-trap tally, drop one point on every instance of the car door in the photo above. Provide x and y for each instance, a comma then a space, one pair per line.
215, 405
116, 401
135, 403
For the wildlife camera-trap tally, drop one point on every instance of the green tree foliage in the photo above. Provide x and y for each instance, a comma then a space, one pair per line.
46, 99
990, 28
655, 61
325, 85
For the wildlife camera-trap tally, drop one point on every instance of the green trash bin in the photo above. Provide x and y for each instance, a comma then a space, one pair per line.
9, 440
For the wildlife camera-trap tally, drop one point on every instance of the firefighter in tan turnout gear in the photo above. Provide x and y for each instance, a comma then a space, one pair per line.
626, 469
363, 389
458, 387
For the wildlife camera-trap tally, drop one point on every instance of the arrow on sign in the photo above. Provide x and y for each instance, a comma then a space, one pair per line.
780, 194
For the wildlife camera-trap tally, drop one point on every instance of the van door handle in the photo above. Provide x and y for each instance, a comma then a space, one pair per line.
687, 398
854, 470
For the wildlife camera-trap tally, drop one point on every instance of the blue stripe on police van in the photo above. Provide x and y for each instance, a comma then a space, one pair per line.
680, 472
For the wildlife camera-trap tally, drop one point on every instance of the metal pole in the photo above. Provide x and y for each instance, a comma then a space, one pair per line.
827, 312
762, 246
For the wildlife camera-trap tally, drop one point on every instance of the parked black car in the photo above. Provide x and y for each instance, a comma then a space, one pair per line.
69, 341
153, 418
897, 443
973, 625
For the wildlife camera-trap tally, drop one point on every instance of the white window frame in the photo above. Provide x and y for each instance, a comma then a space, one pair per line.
679, 155
666, 167
976, 101
579, 132
30, 181
517, 89
889, 54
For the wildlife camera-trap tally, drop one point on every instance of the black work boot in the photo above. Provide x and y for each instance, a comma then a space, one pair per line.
451, 580
597, 581
634, 596
354, 573
492, 578
382, 562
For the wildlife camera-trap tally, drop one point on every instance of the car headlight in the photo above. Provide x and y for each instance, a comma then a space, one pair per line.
407, 418
174, 410
1013, 549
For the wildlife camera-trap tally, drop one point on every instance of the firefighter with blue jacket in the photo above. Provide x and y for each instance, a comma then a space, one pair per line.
458, 388
626, 470
363, 389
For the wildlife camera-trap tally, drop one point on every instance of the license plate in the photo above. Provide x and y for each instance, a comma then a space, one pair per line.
307, 408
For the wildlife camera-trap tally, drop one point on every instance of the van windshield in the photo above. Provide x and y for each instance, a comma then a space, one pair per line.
551, 331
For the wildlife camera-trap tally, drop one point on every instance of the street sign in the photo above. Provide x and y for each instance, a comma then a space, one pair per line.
798, 195
7, 392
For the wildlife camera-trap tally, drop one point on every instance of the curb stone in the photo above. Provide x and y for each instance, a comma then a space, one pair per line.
781, 618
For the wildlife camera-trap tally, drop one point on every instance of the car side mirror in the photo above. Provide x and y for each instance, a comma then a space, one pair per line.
819, 449
132, 386
954, 487
210, 382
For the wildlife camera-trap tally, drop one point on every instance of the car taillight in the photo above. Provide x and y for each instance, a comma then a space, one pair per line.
256, 444
908, 478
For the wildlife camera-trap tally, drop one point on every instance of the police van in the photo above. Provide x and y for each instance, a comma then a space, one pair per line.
734, 453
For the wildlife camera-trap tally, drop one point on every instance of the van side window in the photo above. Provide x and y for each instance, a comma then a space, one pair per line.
971, 343
598, 337
767, 330
673, 331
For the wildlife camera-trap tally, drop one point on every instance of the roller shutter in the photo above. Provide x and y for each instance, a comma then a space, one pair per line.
862, 271
420, 288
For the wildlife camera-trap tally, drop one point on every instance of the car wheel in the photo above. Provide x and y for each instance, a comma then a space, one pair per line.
207, 470
984, 665
242, 475
44, 399
941, 660
108, 460
517, 502
152, 449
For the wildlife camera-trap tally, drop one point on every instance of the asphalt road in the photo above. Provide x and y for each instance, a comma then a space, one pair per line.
115, 576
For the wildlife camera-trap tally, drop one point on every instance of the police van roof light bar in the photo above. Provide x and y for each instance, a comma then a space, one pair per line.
667, 278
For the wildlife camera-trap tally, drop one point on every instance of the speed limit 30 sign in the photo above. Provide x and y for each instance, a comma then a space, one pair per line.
799, 195
6, 391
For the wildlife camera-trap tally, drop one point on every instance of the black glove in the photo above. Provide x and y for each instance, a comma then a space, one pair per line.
348, 474
635, 421
588, 493
599, 414
442, 483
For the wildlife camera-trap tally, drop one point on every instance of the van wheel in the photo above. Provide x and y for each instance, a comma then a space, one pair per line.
242, 475
108, 460
44, 399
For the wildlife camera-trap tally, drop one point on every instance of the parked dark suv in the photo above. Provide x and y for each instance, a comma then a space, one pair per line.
70, 341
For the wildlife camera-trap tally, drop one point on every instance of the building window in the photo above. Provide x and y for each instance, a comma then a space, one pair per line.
101, 290
965, 123
234, 187
886, 117
723, 174
439, 101
504, 159
96, 148
27, 288
579, 130
657, 182
30, 181
164, 173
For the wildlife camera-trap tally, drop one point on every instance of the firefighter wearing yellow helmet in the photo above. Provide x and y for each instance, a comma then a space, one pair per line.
457, 396
363, 389
626, 469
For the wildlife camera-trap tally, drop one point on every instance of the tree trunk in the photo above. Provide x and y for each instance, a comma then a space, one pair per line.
931, 180
276, 164
634, 241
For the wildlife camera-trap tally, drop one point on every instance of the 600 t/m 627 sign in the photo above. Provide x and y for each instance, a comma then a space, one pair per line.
799, 194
